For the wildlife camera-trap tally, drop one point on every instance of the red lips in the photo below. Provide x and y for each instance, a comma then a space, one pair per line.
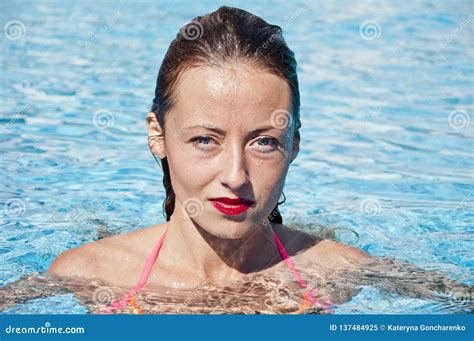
231, 206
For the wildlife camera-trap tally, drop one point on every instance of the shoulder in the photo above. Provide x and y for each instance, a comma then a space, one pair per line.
331, 247
337, 256
314, 248
78, 261
105, 258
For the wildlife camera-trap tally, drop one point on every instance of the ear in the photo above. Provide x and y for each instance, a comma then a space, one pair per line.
295, 148
156, 138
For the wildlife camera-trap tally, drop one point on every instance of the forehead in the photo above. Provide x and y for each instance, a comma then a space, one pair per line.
236, 94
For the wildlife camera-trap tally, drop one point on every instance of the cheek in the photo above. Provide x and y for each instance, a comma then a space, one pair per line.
267, 183
184, 174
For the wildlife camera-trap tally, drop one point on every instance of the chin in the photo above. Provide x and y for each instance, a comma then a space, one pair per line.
230, 229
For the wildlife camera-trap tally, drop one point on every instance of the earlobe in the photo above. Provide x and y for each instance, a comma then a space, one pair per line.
156, 137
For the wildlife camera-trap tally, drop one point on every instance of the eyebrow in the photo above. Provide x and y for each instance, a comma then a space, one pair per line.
222, 132
207, 126
264, 128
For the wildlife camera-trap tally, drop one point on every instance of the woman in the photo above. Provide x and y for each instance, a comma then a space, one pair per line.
225, 123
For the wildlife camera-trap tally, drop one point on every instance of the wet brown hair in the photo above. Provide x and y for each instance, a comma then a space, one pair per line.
228, 34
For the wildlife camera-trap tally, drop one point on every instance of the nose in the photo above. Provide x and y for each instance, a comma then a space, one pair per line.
234, 172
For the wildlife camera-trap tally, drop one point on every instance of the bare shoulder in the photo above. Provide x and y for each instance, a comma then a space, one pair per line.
87, 261
315, 249
337, 255
338, 252
104, 259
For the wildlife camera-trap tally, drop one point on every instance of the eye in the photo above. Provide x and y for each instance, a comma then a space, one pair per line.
203, 142
268, 144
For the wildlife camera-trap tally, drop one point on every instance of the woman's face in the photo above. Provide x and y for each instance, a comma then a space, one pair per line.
229, 134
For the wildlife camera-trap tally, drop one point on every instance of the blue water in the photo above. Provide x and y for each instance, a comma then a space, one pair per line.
387, 129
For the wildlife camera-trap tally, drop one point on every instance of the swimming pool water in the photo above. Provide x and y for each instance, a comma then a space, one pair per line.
387, 132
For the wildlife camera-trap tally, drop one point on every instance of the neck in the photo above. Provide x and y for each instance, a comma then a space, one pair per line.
214, 259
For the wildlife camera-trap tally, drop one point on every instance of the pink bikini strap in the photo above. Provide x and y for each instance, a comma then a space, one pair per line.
288, 261
309, 294
151, 260
123, 302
